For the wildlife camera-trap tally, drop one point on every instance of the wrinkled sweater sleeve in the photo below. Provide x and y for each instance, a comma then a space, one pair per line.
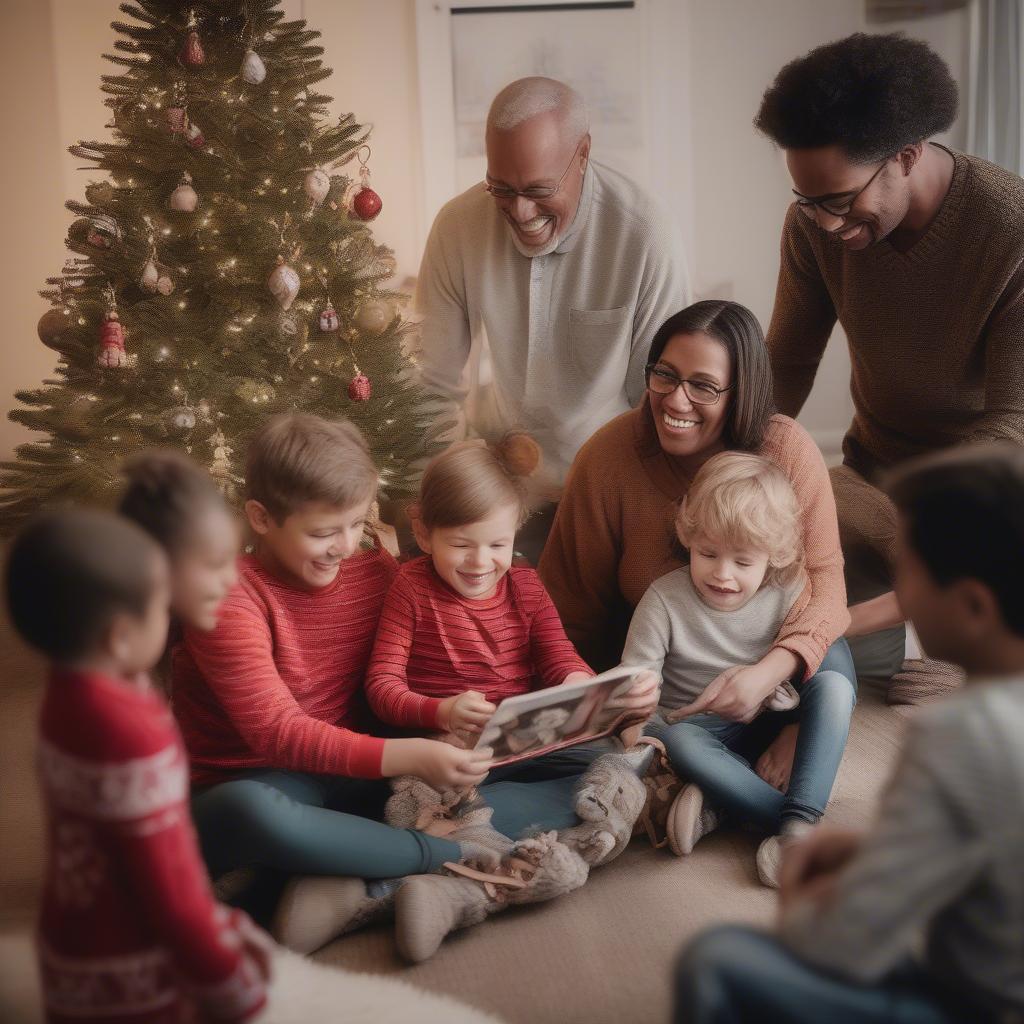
236, 659
387, 681
819, 616
1003, 418
802, 318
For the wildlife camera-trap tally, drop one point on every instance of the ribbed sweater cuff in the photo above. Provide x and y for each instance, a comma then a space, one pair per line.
428, 710
366, 757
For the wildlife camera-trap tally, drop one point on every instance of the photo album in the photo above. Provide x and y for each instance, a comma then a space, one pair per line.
556, 717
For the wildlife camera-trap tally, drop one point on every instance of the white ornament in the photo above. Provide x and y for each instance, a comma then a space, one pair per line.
181, 420
328, 319
150, 277
317, 185
253, 68
184, 197
164, 285
283, 284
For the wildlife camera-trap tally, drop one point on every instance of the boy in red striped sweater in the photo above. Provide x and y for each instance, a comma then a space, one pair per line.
270, 701
129, 929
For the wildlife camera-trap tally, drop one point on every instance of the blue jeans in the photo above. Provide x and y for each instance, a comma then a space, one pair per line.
299, 823
732, 974
718, 755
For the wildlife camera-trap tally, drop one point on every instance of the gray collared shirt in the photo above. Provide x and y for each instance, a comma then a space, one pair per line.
554, 344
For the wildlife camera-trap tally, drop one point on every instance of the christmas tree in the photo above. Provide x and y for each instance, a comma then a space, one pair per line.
220, 272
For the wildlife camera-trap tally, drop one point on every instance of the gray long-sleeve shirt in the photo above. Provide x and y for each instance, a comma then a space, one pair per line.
552, 344
945, 857
675, 633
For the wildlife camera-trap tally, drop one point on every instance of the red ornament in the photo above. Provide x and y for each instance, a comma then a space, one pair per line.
366, 204
112, 352
192, 52
176, 119
360, 388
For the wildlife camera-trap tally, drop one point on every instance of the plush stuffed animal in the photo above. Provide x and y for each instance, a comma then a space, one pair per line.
609, 800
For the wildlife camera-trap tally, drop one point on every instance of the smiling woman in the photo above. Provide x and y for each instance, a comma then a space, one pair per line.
613, 534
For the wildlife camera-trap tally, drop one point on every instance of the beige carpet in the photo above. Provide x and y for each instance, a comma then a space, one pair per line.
601, 955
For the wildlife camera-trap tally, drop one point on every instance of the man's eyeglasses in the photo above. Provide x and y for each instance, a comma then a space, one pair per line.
663, 382
536, 192
835, 207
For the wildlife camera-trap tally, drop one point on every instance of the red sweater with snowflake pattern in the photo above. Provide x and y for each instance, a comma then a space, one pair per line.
278, 683
433, 643
129, 929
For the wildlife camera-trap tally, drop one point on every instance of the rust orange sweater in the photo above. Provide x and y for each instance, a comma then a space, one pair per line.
614, 535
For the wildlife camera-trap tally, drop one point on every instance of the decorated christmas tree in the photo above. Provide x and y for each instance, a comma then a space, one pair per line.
221, 271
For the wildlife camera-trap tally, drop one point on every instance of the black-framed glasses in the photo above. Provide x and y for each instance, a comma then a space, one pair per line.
835, 207
701, 392
536, 192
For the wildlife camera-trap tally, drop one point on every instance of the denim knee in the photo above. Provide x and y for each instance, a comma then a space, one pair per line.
687, 744
833, 688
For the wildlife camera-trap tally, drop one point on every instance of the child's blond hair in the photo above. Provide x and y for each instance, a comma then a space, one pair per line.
747, 502
469, 480
296, 458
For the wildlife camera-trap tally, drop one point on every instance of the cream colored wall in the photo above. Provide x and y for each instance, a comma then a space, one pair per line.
50, 63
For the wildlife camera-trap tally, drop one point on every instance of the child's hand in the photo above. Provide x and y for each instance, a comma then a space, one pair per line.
641, 698
465, 714
439, 764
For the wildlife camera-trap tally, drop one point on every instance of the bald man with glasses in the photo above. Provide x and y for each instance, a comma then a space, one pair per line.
540, 290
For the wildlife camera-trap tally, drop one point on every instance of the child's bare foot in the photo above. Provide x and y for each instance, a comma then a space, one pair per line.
775, 765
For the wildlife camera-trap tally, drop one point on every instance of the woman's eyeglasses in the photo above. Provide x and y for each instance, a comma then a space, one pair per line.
663, 382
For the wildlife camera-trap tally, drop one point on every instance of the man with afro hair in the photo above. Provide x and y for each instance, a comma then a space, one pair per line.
918, 251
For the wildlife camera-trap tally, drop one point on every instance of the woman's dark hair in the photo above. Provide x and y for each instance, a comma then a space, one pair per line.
963, 515
871, 95
166, 491
751, 399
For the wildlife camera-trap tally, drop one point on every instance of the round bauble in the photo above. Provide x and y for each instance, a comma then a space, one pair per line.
366, 204
164, 285
360, 388
75, 417
99, 192
184, 198
253, 68
149, 277
374, 316
52, 325
283, 283
316, 185
180, 420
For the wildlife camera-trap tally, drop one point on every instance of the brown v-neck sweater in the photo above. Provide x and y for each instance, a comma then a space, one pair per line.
936, 334
614, 535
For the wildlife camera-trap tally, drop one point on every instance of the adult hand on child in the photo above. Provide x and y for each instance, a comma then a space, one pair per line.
738, 693
812, 864
465, 714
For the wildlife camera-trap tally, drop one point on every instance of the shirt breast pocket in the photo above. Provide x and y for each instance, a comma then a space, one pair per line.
599, 339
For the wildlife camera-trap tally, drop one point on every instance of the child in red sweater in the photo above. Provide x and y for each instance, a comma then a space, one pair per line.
129, 930
462, 628
285, 776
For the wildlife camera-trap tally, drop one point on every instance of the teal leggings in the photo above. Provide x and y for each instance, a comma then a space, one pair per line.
302, 824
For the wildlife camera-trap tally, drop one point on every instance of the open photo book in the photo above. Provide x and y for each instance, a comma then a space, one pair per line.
556, 717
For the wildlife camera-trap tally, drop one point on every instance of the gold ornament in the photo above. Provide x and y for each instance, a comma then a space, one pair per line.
374, 316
